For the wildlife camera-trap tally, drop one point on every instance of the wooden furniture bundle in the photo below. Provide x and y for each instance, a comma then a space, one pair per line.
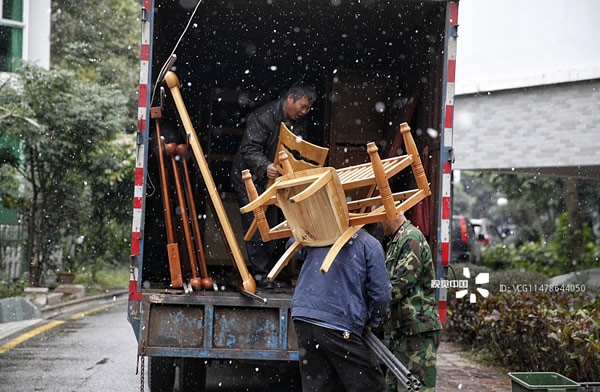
314, 201
314, 156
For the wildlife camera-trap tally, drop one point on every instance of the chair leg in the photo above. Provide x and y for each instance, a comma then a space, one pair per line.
337, 246
283, 260
251, 230
382, 182
254, 226
286, 166
312, 188
259, 212
416, 165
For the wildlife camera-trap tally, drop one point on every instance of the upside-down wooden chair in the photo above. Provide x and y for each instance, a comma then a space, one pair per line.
315, 207
313, 156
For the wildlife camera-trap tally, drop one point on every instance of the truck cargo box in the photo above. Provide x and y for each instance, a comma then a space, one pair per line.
374, 64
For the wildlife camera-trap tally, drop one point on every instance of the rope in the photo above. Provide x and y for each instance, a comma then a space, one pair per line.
171, 59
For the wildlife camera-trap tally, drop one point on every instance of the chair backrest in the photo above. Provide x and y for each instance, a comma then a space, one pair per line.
319, 219
292, 143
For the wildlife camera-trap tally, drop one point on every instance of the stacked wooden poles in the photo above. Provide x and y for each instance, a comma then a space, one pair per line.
172, 247
182, 151
196, 282
238, 259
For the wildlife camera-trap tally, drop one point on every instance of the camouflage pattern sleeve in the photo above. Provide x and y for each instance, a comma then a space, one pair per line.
404, 268
414, 306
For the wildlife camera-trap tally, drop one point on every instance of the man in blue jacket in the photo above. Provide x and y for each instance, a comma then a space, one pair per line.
330, 312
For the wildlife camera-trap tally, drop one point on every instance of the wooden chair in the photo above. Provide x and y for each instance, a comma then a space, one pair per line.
313, 156
314, 203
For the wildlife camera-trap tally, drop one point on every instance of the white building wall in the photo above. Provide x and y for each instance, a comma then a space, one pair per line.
552, 130
37, 32
528, 87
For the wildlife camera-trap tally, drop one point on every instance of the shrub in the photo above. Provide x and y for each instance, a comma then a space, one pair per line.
12, 288
104, 279
498, 257
513, 277
538, 257
508, 278
532, 331
456, 271
551, 258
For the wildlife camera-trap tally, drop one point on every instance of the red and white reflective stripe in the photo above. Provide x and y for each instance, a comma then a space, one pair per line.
445, 236
138, 195
447, 169
448, 126
133, 286
443, 300
144, 70
454, 13
445, 221
450, 78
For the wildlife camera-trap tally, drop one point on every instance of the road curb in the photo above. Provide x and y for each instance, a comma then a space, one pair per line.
49, 312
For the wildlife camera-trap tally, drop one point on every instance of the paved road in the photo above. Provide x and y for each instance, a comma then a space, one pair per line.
455, 372
97, 352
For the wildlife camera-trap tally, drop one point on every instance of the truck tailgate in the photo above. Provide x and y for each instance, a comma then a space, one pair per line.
217, 325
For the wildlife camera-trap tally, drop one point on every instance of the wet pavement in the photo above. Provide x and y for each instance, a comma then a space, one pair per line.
455, 372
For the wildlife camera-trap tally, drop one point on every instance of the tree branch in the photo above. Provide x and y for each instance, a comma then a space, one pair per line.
9, 114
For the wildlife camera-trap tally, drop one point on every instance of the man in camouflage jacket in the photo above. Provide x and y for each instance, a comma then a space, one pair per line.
413, 325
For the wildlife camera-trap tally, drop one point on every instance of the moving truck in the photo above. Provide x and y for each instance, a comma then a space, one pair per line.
374, 64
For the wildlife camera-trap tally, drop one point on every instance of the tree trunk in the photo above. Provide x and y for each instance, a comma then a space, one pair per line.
32, 254
574, 219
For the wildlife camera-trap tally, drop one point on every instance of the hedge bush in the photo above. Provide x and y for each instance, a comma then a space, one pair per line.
507, 278
12, 287
532, 331
553, 257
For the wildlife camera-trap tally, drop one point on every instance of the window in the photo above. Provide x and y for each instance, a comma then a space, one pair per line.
11, 34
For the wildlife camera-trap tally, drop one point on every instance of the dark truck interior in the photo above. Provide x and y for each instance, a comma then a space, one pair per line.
374, 64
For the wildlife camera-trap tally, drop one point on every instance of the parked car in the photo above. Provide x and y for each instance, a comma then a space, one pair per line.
463, 246
486, 232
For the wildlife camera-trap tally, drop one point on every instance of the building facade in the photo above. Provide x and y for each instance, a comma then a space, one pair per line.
551, 130
528, 87
24, 33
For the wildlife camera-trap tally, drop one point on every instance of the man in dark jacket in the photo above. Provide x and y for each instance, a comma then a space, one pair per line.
330, 312
256, 153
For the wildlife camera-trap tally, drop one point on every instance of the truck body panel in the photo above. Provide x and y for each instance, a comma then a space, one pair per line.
220, 325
